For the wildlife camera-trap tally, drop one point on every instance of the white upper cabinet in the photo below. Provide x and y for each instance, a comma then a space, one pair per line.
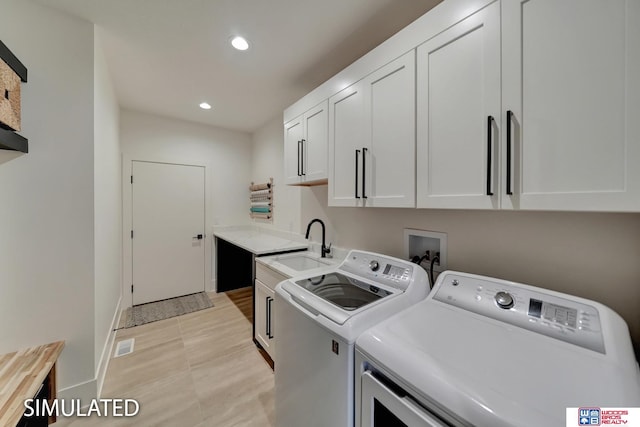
346, 139
292, 139
458, 110
315, 143
536, 108
372, 139
389, 155
571, 86
505, 104
305, 147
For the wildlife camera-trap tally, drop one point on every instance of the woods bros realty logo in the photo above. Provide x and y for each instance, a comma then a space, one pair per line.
588, 416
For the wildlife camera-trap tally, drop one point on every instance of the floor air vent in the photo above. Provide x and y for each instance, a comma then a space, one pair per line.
124, 347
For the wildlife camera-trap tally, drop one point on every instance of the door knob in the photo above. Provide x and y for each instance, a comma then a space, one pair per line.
199, 236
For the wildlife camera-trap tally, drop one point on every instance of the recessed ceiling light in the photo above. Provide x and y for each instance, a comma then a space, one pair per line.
239, 43
205, 106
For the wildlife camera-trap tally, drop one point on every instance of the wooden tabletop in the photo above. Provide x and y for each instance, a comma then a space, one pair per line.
21, 374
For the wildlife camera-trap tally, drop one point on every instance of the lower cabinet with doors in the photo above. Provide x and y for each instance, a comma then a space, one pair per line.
263, 299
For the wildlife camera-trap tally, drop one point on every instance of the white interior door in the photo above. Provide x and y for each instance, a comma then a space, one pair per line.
168, 215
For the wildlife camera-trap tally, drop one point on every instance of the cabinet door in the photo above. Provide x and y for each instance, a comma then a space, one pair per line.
263, 300
315, 142
389, 178
293, 134
346, 139
458, 78
571, 81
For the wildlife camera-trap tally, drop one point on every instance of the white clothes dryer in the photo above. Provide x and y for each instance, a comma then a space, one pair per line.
485, 352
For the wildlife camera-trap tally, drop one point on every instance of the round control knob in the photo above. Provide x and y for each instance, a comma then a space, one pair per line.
374, 266
504, 300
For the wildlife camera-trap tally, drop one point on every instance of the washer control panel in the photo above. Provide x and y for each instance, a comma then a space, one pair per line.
389, 271
524, 306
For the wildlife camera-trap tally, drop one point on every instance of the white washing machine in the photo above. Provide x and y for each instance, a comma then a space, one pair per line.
317, 320
486, 352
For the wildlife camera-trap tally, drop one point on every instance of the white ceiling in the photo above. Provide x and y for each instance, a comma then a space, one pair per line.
167, 56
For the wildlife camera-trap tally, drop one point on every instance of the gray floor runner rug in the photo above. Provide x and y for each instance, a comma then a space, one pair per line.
160, 310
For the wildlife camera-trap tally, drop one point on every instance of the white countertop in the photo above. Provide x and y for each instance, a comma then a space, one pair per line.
261, 241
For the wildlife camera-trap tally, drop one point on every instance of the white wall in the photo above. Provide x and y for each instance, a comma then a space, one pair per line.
226, 155
593, 255
107, 207
268, 161
46, 196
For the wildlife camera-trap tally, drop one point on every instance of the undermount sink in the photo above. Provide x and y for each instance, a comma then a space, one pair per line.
301, 262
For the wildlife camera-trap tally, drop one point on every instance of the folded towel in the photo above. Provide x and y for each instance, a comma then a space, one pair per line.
256, 187
260, 216
261, 209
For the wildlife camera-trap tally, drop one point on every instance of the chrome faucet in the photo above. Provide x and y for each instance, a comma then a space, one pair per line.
324, 250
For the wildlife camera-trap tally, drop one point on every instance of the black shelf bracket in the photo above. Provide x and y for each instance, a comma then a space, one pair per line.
7, 56
10, 140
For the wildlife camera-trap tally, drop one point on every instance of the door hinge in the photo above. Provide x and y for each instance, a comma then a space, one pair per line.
132, 234
132, 179
132, 288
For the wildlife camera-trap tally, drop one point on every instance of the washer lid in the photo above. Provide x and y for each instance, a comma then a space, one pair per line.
490, 373
336, 296
345, 292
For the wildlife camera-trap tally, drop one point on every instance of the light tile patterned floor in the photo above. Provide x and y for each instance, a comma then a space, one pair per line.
197, 370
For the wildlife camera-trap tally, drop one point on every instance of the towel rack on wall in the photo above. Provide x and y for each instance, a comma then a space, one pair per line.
261, 198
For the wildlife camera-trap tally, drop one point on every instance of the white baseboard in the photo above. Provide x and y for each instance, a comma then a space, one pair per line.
93, 388
108, 349
84, 391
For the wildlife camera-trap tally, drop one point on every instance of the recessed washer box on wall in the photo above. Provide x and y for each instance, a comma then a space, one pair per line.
418, 242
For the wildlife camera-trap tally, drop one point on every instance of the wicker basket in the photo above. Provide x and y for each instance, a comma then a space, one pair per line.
9, 98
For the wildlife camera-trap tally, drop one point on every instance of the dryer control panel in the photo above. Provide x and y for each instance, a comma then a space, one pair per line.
524, 306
